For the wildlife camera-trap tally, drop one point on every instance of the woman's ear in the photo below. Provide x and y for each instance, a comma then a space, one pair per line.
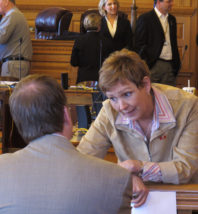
147, 84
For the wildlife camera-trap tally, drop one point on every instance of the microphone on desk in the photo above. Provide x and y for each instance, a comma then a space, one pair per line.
185, 49
20, 43
184, 53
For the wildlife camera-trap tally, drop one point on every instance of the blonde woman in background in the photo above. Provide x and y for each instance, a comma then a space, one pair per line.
115, 26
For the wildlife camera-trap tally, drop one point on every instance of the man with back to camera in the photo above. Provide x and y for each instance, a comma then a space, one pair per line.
15, 41
49, 175
156, 42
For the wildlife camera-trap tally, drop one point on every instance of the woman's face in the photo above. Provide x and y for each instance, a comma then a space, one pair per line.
130, 101
111, 7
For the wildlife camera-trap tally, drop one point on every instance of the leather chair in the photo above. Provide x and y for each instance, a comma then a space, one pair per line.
95, 10
52, 22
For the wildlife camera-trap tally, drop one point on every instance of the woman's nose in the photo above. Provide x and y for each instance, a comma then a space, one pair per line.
122, 105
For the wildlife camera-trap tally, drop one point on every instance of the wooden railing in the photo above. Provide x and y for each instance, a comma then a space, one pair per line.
52, 57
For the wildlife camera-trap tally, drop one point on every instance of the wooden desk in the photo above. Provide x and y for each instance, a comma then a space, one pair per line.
186, 195
4, 97
79, 97
10, 136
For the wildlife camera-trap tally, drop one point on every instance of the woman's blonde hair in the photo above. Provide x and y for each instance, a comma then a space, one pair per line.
102, 3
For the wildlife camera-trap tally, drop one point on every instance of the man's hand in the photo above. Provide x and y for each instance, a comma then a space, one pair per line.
134, 166
140, 192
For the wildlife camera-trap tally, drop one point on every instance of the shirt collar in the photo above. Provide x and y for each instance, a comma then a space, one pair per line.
159, 14
114, 24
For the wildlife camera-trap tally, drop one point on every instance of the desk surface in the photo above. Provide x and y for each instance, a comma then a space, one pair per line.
79, 97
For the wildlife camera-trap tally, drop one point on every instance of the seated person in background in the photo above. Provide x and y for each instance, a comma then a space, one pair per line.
152, 127
49, 175
88, 52
15, 41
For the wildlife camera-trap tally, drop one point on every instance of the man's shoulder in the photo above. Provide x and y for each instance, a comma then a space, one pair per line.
16, 15
171, 17
148, 14
16, 11
106, 166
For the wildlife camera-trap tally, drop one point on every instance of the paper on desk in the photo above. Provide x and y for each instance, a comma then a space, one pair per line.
158, 202
7, 82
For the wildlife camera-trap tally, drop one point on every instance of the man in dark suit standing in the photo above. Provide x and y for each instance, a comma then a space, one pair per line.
156, 42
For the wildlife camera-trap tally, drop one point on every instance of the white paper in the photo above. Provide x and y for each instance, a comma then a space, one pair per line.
158, 202
8, 82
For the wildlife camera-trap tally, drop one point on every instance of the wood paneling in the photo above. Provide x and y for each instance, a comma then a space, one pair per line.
184, 10
53, 58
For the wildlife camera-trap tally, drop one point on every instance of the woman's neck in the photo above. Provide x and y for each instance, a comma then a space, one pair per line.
111, 18
148, 118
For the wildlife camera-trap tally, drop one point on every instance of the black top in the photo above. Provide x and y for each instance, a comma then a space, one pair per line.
89, 51
123, 35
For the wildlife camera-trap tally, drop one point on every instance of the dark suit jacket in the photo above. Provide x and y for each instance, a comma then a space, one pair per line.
86, 55
149, 38
123, 35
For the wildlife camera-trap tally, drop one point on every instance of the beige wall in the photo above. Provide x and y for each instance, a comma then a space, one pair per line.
184, 10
